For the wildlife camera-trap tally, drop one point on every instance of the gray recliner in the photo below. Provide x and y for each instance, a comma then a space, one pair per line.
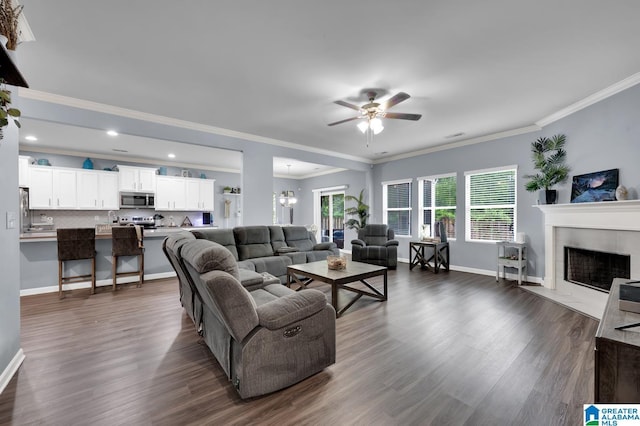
375, 245
265, 339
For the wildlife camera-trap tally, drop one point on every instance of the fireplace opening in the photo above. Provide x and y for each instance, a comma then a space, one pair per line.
595, 269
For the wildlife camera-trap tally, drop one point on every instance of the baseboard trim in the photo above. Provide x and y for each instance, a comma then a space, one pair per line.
487, 272
99, 283
11, 369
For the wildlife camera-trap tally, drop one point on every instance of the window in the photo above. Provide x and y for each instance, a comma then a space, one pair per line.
438, 202
396, 205
491, 204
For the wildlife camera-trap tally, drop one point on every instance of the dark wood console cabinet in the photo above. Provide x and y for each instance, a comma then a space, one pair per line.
617, 354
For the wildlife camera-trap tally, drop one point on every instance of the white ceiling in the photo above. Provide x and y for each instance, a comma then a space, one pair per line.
274, 69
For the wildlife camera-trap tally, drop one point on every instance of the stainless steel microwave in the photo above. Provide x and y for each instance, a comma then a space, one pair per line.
130, 200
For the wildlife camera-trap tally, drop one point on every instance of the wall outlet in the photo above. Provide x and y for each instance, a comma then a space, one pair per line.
11, 220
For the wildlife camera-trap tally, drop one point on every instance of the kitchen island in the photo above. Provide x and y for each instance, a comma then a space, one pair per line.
39, 261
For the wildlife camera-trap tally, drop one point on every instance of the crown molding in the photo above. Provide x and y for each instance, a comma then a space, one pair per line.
590, 100
465, 142
159, 119
310, 175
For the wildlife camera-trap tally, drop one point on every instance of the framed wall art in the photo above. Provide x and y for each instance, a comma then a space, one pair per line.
594, 187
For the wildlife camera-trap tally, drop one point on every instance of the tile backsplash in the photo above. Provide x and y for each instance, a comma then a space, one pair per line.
88, 219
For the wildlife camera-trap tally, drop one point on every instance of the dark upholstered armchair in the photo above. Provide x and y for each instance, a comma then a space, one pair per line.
375, 245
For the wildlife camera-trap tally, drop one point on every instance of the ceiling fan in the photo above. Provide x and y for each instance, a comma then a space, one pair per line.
372, 112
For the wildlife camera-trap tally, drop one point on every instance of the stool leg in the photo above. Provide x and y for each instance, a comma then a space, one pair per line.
93, 275
140, 268
60, 279
114, 260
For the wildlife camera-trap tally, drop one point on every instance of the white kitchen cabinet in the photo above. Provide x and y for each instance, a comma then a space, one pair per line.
170, 193
52, 188
199, 194
186, 194
23, 170
97, 190
136, 179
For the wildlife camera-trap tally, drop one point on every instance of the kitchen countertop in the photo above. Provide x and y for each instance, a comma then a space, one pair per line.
160, 232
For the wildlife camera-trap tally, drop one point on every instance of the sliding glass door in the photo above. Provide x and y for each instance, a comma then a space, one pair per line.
332, 217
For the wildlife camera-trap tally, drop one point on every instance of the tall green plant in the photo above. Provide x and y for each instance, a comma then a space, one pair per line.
548, 158
361, 210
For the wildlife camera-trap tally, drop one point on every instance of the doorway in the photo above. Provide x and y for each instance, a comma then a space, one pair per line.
332, 217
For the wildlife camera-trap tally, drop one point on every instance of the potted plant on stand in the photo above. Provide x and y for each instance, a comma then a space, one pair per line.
549, 159
361, 210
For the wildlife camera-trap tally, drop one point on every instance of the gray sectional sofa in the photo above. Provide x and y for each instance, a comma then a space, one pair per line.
264, 335
269, 248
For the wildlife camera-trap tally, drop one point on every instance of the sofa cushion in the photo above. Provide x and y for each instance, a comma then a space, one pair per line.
224, 237
205, 256
298, 236
252, 242
261, 296
277, 238
275, 265
234, 304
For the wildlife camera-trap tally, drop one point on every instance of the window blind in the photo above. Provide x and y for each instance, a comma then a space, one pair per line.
491, 205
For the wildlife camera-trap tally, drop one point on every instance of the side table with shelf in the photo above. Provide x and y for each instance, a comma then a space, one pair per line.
512, 255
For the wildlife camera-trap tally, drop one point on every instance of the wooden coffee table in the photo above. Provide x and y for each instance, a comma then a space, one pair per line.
355, 271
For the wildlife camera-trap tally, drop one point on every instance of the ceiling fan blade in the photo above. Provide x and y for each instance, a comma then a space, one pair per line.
348, 105
343, 121
395, 99
403, 116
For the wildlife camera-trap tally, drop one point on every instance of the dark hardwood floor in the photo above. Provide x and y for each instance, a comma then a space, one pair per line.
446, 349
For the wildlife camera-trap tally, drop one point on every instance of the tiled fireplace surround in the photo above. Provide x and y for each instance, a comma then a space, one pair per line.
607, 226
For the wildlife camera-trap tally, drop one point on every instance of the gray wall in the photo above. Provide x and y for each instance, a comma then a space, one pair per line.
9, 246
602, 136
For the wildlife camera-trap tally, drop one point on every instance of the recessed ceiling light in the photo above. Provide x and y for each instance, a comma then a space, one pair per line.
171, 156
112, 133
31, 138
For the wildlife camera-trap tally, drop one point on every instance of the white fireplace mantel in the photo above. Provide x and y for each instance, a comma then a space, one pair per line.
612, 215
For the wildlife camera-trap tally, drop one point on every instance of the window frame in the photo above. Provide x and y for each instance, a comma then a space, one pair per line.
434, 208
467, 200
386, 209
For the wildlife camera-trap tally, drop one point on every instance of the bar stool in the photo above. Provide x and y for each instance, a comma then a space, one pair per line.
76, 244
127, 241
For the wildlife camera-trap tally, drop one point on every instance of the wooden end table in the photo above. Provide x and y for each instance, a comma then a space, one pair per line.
438, 254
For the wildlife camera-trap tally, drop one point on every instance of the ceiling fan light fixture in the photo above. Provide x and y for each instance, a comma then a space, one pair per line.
376, 125
363, 126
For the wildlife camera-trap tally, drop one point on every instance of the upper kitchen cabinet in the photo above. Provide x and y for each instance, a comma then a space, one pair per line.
52, 188
171, 194
200, 194
186, 194
136, 179
97, 190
